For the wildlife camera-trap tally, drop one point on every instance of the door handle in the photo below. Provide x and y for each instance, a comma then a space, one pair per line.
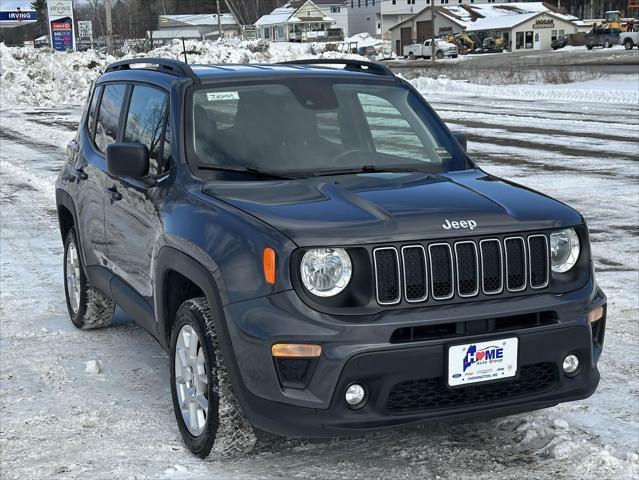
113, 191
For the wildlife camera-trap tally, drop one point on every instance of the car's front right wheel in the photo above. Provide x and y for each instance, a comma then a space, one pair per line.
209, 416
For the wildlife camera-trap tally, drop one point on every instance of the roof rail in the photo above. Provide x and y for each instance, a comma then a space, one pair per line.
164, 65
349, 64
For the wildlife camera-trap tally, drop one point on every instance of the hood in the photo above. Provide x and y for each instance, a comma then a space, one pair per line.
378, 207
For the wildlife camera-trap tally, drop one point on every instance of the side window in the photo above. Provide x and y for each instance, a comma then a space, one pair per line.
92, 109
106, 128
145, 123
391, 132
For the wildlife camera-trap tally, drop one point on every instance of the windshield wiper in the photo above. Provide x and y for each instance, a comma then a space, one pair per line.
367, 169
249, 171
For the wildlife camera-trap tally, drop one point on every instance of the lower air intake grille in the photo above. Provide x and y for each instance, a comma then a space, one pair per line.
433, 394
387, 275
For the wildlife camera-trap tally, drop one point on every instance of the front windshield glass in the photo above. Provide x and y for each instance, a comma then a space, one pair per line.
314, 126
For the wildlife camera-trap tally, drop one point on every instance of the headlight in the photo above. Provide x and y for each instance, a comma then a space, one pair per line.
564, 250
326, 271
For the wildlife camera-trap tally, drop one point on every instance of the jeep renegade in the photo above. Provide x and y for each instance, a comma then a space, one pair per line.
318, 253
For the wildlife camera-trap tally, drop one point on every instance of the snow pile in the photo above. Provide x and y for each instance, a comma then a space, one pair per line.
624, 90
43, 78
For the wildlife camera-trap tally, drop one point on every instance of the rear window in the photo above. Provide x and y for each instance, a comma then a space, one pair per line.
308, 126
106, 128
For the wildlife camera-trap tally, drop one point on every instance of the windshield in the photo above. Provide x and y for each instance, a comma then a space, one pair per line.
308, 127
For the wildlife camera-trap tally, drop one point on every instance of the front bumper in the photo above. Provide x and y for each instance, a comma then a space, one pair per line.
358, 349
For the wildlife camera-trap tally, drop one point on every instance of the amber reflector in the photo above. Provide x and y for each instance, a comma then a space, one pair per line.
595, 314
269, 265
296, 350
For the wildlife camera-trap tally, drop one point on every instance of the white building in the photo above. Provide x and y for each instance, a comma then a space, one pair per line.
297, 21
364, 16
506, 22
196, 27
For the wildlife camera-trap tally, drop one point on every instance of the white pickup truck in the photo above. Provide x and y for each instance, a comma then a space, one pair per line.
629, 39
442, 49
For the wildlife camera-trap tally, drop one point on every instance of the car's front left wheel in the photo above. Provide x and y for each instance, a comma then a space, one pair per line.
209, 416
88, 308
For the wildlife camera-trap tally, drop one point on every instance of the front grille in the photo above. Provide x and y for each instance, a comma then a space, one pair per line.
433, 393
462, 269
387, 268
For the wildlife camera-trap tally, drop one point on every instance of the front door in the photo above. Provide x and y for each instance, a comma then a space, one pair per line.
132, 206
537, 41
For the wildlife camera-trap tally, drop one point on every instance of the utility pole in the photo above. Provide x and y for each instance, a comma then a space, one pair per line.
432, 40
219, 19
109, 26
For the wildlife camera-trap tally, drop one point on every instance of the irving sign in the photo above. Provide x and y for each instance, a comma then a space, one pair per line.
544, 23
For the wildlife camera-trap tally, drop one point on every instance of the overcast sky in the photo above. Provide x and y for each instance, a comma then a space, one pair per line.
10, 5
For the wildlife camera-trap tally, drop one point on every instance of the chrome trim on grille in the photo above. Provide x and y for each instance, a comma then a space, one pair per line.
467, 295
523, 244
544, 285
399, 280
416, 300
501, 267
452, 273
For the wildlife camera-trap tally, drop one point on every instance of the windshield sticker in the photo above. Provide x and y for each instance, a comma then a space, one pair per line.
221, 96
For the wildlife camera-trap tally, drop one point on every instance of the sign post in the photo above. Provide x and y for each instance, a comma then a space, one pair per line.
61, 25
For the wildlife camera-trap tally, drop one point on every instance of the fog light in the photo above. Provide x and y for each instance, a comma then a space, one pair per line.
595, 314
355, 395
571, 364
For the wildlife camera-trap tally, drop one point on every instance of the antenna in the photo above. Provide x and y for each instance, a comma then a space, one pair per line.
184, 51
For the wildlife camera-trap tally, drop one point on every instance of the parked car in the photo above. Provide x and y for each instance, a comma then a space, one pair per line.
318, 253
605, 37
559, 42
425, 50
629, 39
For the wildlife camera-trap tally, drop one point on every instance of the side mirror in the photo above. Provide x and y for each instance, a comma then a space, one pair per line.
461, 139
127, 160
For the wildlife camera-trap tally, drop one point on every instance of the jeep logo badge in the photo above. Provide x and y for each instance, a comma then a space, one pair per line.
447, 225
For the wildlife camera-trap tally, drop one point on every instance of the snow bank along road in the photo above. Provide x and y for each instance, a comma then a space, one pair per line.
58, 421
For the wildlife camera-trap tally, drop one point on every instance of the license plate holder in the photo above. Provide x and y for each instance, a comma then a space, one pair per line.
480, 362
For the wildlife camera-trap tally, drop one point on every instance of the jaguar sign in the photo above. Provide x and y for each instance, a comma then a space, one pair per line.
544, 22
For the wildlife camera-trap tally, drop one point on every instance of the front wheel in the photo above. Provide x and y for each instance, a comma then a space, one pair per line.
209, 416
628, 44
88, 308
607, 44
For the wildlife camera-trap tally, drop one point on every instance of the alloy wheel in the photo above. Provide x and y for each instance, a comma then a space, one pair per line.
73, 277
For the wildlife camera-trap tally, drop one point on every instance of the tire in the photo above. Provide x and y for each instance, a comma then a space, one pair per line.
455, 56
88, 308
589, 46
607, 44
221, 430
439, 55
628, 44
411, 56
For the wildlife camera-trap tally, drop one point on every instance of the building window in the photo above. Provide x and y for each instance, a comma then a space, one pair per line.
519, 40
366, 3
352, 3
335, 9
394, 2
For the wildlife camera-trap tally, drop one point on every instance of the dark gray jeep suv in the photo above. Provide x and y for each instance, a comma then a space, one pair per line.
318, 253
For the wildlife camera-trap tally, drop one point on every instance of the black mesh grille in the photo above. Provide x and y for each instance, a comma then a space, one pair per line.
515, 264
387, 275
467, 274
433, 394
441, 270
538, 261
415, 273
491, 264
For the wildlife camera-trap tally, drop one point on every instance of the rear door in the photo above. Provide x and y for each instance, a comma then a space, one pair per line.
90, 169
132, 206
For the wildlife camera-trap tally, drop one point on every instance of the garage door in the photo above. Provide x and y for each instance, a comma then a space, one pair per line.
406, 37
424, 30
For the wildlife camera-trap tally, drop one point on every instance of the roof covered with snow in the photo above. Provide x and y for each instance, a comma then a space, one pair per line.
489, 16
286, 14
196, 19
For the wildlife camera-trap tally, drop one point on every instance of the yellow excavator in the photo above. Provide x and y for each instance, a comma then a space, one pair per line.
613, 20
464, 42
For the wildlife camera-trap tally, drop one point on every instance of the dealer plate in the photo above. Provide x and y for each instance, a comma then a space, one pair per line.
482, 361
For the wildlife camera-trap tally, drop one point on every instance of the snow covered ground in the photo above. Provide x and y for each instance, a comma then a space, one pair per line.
60, 419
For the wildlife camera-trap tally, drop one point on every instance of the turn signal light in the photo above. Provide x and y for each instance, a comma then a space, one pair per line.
595, 314
296, 350
268, 259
